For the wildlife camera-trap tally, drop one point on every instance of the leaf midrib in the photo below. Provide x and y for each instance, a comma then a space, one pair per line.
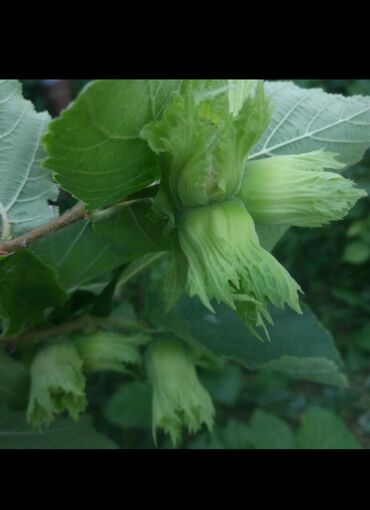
268, 150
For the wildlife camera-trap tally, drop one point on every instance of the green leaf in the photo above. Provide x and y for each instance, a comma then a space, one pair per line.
307, 120
14, 381
356, 252
138, 265
224, 386
233, 436
94, 147
320, 370
362, 338
295, 340
174, 277
352, 298
134, 230
130, 406
236, 435
103, 304
24, 186
269, 432
27, 288
357, 228
79, 252
322, 429
175, 323
124, 310
207, 441
15, 433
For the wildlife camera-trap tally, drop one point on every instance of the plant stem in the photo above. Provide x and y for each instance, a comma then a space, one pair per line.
76, 213
86, 322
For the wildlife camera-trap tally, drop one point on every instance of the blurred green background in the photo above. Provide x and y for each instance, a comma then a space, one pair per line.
265, 409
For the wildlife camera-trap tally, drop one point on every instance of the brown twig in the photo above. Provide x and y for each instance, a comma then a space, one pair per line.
84, 323
76, 213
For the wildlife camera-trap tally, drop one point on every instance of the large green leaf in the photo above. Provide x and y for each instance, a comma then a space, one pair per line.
233, 436
224, 385
139, 265
79, 252
15, 433
27, 288
94, 147
130, 406
267, 431
135, 228
25, 187
296, 340
306, 120
320, 369
322, 429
